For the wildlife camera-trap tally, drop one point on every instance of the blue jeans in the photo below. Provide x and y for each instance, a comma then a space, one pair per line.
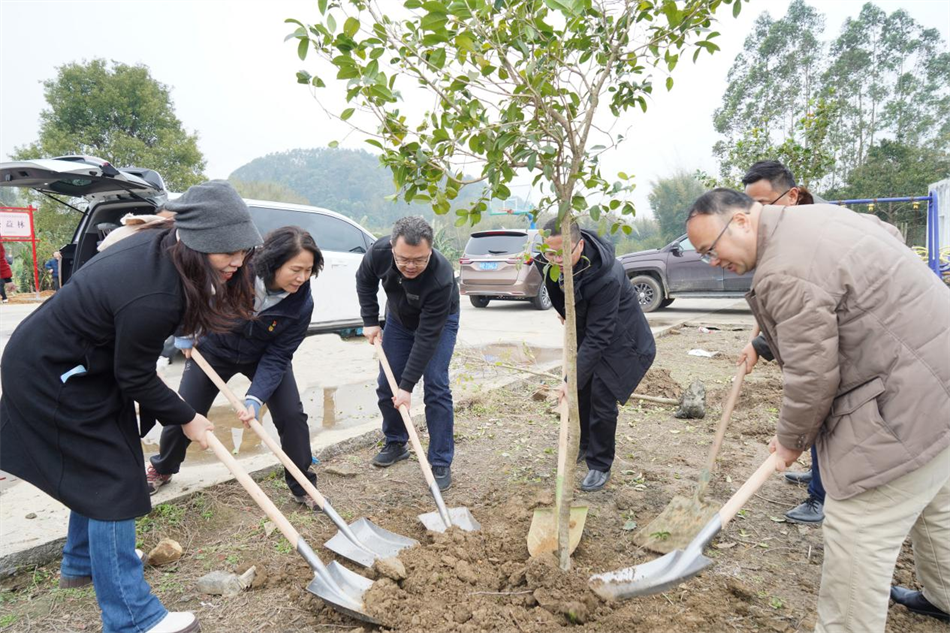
440, 413
105, 550
815, 489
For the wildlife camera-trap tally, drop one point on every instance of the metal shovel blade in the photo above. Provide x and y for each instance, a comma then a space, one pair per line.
344, 593
542, 535
461, 518
377, 543
661, 574
649, 578
677, 526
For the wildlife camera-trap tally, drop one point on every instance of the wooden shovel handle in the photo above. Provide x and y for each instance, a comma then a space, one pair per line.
749, 488
406, 418
253, 489
727, 411
256, 426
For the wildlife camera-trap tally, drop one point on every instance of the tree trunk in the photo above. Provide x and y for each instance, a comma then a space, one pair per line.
564, 494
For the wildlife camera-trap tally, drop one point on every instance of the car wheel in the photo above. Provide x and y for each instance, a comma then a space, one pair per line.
542, 301
665, 303
649, 292
479, 302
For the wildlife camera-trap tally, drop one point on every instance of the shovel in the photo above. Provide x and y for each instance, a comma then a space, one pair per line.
682, 564
363, 542
445, 517
542, 535
336, 585
683, 518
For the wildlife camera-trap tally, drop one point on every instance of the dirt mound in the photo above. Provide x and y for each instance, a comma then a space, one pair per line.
658, 382
485, 581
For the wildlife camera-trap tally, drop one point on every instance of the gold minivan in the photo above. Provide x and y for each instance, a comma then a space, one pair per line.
494, 267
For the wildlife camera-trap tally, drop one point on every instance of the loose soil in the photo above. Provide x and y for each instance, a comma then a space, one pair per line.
766, 575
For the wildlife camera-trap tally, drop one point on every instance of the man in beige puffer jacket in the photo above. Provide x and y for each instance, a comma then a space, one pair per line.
861, 330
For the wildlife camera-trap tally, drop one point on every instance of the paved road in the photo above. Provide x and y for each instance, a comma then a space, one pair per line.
336, 379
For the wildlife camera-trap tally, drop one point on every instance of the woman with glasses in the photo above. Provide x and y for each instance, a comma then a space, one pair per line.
74, 369
260, 348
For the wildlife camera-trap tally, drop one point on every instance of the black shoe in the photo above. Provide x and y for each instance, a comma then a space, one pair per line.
800, 477
811, 511
443, 477
595, 480
393, 452
916, 603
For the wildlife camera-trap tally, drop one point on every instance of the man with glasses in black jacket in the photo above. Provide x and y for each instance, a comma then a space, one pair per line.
421, 326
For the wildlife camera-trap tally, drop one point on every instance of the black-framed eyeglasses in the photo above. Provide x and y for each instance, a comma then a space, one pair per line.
710, 253
557, 255
412, 261
782, 196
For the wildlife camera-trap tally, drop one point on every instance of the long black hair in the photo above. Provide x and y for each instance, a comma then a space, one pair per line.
211, 306
280, 246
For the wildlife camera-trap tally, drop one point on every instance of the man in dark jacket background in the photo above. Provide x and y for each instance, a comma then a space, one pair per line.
421, 326
615, 346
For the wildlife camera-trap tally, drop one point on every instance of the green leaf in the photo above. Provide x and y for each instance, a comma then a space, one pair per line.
302, 48
669, 83
331, 23
322, 5
303, 77
465, 43
333, 144
554, 272
347, 113
627, 229
434, 7
736, 8
437, 58
351, 26
316, 82
532, 161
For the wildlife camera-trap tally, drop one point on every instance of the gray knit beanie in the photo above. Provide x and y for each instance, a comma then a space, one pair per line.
212, 218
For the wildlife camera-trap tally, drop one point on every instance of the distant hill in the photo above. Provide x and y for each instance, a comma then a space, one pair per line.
351, 182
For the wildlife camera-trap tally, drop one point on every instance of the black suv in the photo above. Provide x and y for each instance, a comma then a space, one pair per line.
661, 275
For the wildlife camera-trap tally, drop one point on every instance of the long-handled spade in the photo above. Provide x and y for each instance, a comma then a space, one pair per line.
336, 585
542, 535
683, 518
363, 542
682, 564
445, 517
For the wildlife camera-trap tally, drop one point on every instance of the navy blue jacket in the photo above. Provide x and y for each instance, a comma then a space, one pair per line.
614, 340
270, 340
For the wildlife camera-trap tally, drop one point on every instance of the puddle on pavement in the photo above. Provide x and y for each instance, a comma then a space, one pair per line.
349, 405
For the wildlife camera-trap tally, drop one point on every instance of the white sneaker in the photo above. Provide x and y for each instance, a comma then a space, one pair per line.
177, 622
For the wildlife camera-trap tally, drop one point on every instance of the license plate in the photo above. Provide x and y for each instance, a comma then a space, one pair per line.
488, 266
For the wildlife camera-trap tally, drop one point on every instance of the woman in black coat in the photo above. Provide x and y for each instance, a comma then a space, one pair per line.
74, 369
262, 350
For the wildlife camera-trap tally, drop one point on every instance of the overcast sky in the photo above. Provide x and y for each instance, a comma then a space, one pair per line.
232, 76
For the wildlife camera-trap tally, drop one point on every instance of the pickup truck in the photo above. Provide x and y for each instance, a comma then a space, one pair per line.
661, 275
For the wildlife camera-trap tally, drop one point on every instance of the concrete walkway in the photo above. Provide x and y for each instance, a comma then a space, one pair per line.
336, 379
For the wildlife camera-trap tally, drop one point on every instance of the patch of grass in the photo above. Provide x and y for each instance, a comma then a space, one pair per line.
203, 505
283, 546
661, 536
8, 620
776, 603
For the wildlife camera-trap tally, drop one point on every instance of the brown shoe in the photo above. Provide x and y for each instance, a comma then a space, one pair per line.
307, 500
155, 479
